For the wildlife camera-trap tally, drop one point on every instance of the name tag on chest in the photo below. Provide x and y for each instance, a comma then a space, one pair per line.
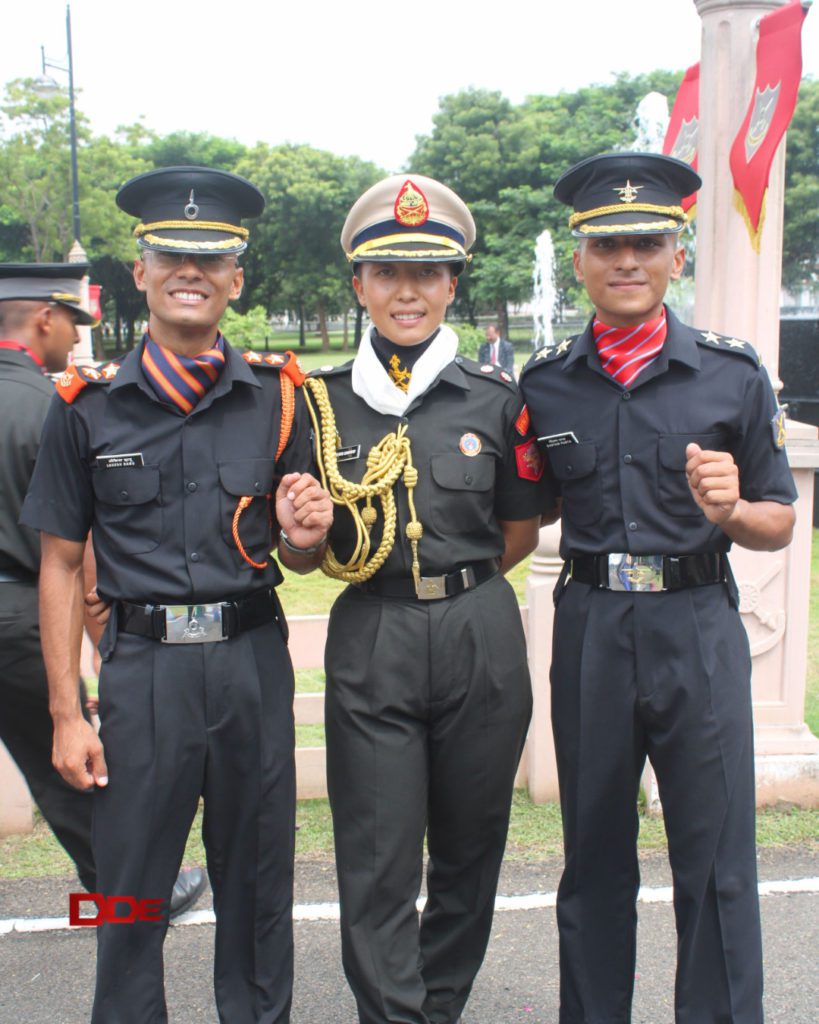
348, 454
558, 440
125, 461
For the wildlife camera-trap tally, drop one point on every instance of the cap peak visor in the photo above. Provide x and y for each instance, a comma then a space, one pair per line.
57, 283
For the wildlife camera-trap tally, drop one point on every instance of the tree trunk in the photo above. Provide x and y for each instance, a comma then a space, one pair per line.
359, 321
503, 320
302, 337
322, 324
345, 338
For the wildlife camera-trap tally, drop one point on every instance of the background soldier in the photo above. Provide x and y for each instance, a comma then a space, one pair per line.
663, 448
173, 459
39, 312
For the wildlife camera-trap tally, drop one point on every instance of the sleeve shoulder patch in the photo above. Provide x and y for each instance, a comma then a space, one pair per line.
75, 379
529, 460
522, 422
725, 343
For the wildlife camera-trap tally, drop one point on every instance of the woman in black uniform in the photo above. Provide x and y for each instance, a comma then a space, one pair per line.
430, 458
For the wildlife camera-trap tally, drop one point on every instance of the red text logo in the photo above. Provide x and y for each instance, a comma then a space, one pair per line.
112, 909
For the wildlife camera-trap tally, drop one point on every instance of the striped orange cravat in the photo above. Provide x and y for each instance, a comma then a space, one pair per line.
178, 380
626, 351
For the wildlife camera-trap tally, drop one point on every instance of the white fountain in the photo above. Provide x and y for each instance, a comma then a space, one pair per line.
544, 292
651, 123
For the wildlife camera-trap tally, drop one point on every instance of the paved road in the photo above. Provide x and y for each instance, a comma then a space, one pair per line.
47, 978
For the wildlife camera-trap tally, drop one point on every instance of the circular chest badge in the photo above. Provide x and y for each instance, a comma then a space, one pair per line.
470, 444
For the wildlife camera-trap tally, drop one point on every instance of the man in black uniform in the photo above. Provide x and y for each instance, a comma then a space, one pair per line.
664, 445
39, 311
173, 459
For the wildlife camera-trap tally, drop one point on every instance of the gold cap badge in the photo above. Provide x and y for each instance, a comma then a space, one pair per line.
411, 206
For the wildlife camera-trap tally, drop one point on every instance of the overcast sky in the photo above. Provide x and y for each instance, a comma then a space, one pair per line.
354, 78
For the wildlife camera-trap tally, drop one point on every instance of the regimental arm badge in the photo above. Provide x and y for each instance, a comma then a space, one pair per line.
522, 422
529, 460
411, 206
778, 429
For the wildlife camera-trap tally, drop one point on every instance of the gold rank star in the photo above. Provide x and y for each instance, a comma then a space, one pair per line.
564, 346
110, 371
543, 353
734, 343
710, 336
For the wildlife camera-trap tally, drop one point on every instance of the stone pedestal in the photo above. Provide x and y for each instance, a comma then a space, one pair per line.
15, 800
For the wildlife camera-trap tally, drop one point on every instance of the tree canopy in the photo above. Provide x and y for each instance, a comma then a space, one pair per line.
502, 158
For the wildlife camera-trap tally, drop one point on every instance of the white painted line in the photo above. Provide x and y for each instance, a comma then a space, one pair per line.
329, 911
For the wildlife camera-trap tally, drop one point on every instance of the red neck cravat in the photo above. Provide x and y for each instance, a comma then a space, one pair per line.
626, 351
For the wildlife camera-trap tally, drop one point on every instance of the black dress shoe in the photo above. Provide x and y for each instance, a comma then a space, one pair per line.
187, 889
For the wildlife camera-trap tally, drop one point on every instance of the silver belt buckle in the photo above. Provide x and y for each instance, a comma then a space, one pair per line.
432, 588
193, 623
636, 573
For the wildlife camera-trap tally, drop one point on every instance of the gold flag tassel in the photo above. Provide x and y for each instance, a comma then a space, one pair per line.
742, 210
387, 461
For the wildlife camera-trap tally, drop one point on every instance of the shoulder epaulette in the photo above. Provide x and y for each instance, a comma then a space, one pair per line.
551, 352
329, 369
286, 362
487, 371
724, 343
75, 378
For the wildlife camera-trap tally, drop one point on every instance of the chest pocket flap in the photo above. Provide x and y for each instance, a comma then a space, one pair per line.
458, 472
573, 461
241, 477
127, 485
672, 447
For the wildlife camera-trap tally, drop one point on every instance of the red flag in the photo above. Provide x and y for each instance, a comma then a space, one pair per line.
94, 302
778, 70
681, 139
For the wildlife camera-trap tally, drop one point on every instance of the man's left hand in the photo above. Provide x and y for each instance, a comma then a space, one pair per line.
714, 481
304, 509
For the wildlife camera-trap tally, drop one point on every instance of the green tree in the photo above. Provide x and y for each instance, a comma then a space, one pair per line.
800, 255
295, 261
180, 149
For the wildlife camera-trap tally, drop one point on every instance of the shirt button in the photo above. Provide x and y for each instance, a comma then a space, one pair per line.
467, 479
570, 468
192, 486
632, 526
124, 495
257, 485
626, 396
628, 459
194, 556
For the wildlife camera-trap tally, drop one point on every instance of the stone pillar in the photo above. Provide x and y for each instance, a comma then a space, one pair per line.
84, 350
541, 768
737, 293
15, 800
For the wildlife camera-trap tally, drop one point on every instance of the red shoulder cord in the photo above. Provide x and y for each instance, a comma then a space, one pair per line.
288, 396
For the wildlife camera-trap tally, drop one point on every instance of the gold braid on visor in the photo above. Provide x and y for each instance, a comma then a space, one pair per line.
602, 211
382, 247
190, 225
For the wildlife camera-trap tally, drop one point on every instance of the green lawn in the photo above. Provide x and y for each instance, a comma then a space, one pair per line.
534, 830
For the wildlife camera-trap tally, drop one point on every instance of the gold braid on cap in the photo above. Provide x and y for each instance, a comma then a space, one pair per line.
602, 211
196, 225
390, 459
381, 246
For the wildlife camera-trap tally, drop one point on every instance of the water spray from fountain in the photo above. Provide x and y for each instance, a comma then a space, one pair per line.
544, 293
651, 123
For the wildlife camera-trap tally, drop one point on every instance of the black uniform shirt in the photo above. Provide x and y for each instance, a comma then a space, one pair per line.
25, 393
162, 524
617, 456
459, 498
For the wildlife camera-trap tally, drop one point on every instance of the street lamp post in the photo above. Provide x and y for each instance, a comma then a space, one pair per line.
46, 85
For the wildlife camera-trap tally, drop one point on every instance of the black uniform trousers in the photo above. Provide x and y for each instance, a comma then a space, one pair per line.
27, 730
663, 675
180, 721
427, 708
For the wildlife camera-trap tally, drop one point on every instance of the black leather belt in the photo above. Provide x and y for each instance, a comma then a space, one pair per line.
199, 623
648, 573
433, 588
